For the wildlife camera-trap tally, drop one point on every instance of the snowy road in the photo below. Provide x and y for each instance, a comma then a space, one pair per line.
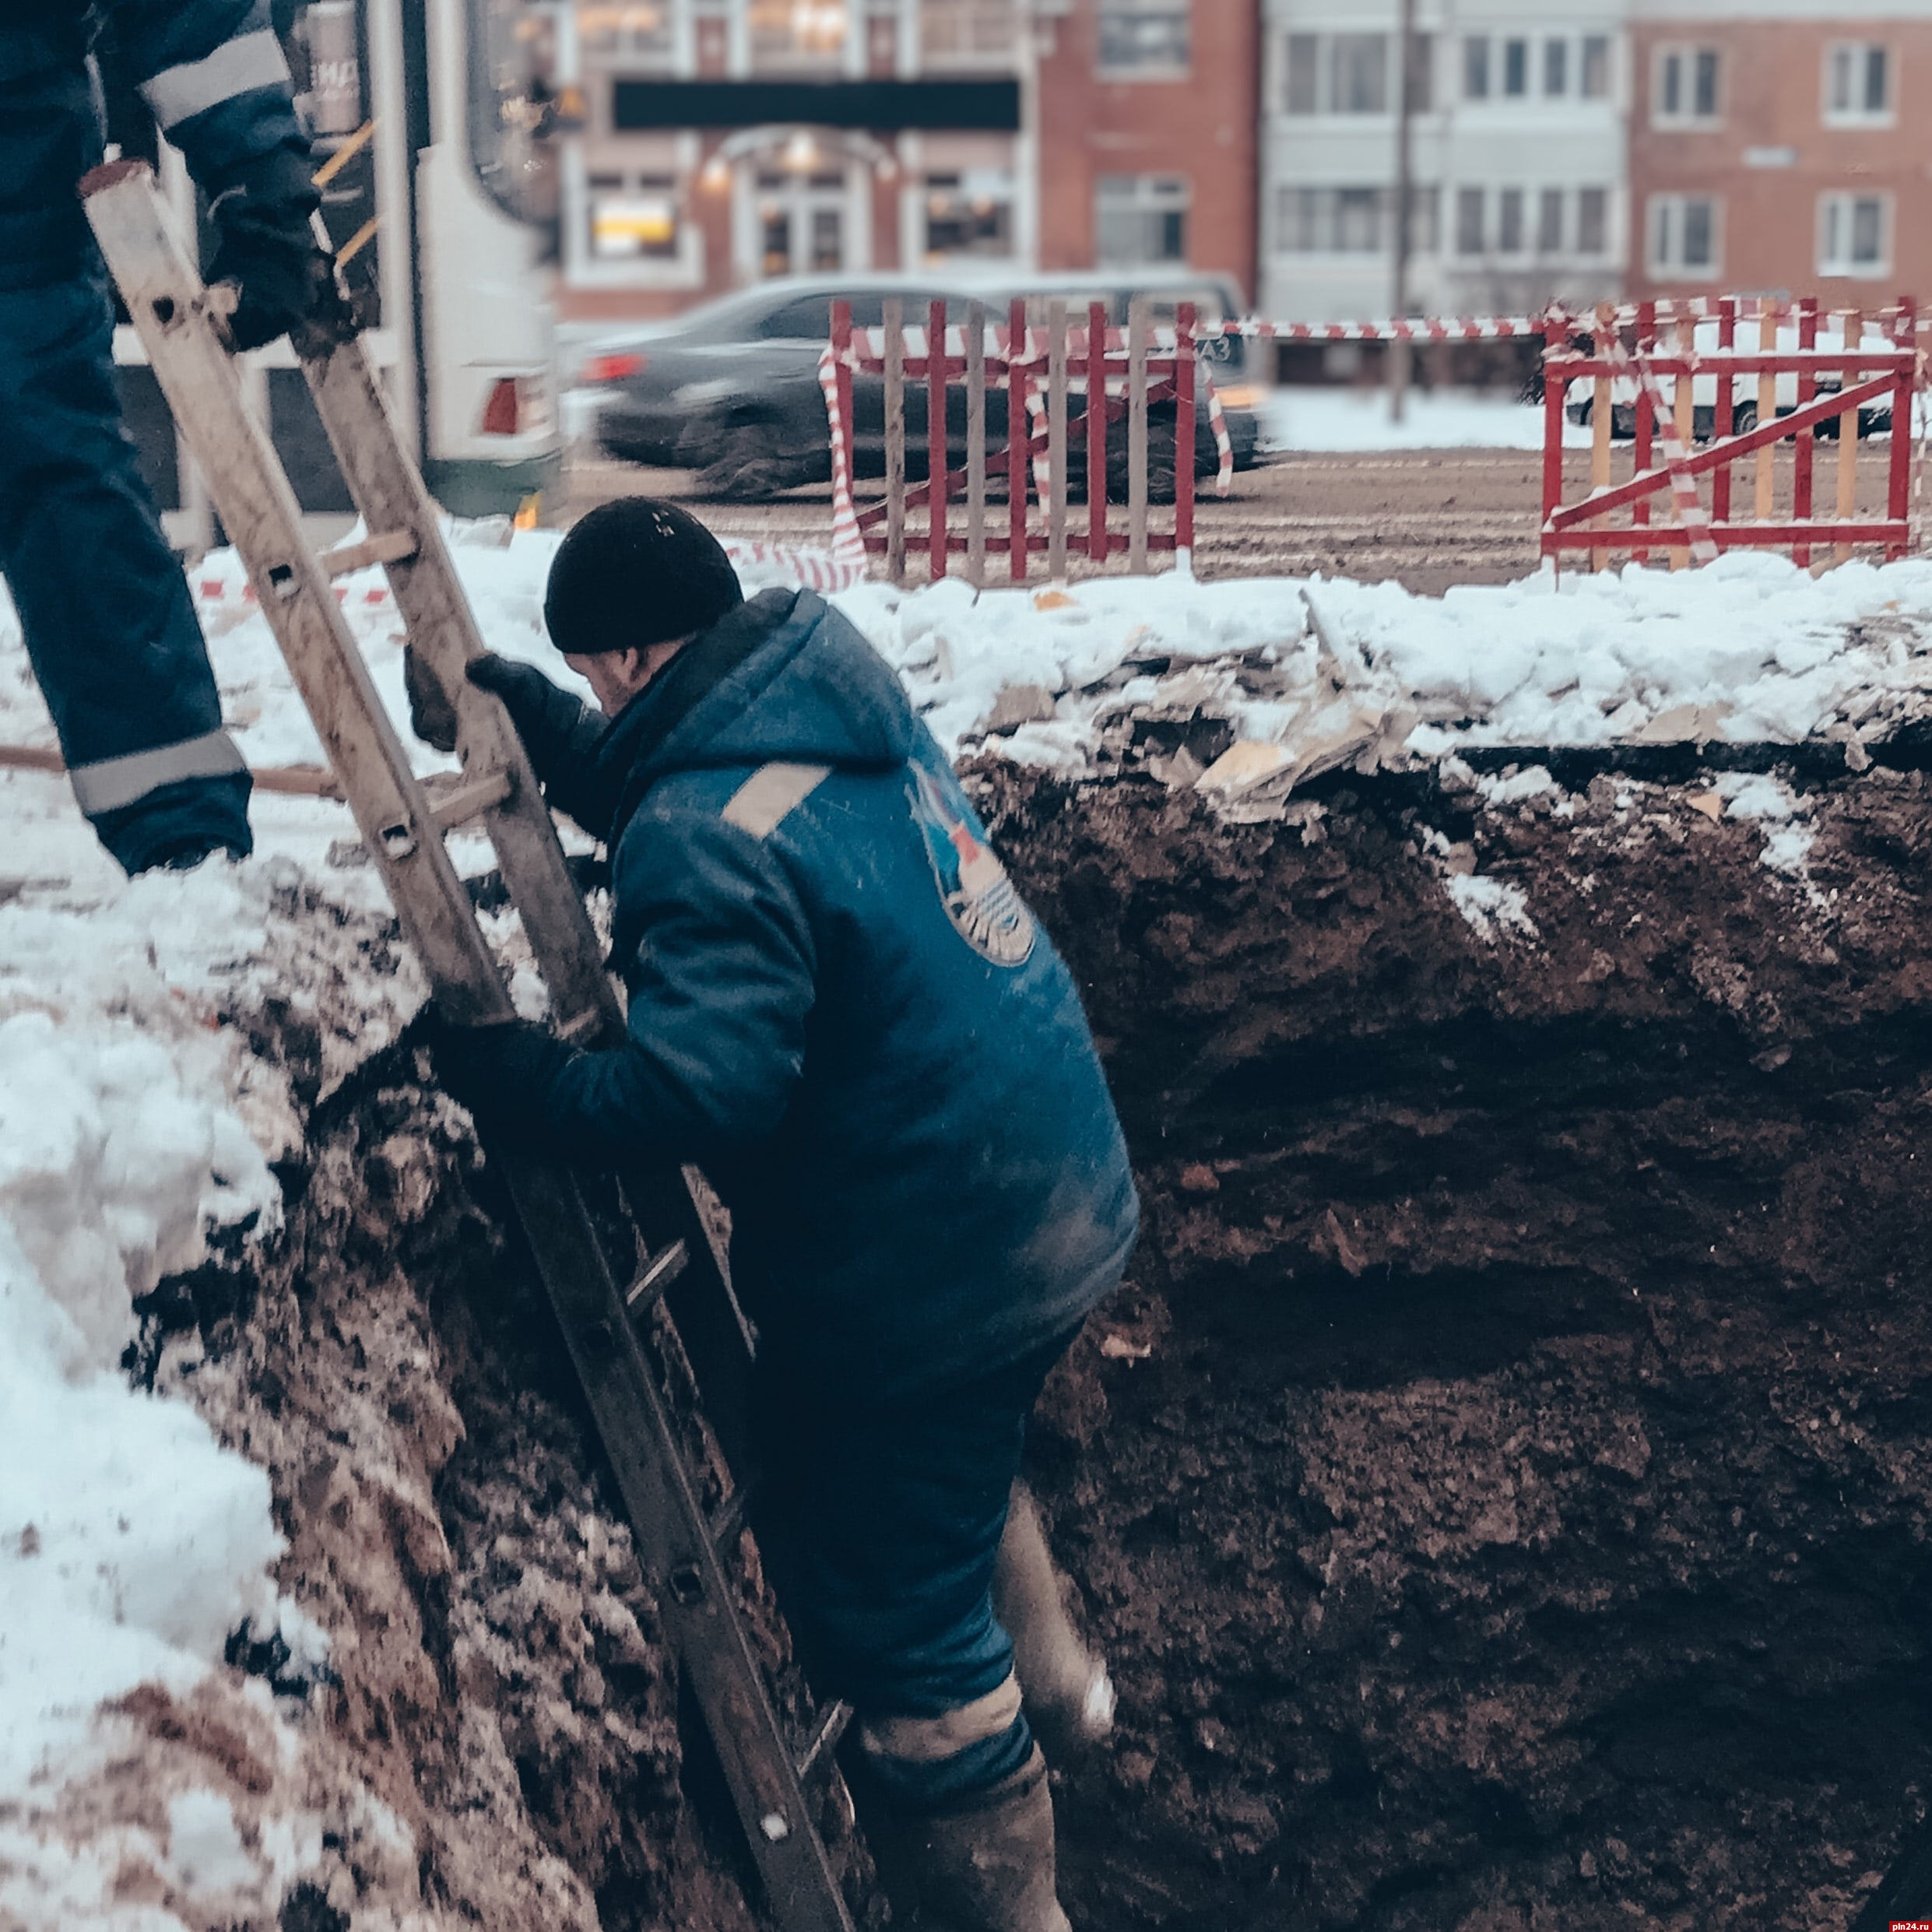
1427, 519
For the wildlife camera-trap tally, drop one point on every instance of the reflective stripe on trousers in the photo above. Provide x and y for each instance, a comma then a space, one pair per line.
110, 784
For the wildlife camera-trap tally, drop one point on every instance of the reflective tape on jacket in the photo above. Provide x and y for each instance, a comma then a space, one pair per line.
761, 803
237, 67
112, 783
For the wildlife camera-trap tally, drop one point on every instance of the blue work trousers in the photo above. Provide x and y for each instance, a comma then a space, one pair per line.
110, 626
879, 1521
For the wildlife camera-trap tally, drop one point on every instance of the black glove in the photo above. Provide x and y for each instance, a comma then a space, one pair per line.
284, 281
560, 733
499, 1072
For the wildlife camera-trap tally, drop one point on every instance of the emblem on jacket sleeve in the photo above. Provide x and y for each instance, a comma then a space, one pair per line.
978, 897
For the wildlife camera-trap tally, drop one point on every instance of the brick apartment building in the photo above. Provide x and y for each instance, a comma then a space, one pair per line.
1149, 136
727, 141
1781, 148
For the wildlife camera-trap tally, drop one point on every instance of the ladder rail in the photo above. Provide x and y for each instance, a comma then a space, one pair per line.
251, 493
442, 632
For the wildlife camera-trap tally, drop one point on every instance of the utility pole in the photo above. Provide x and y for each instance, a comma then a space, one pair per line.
1400, 354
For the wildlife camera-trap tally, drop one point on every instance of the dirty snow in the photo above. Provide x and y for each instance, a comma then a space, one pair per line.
1771, 803
1358, 420
1493, 907
134, 1117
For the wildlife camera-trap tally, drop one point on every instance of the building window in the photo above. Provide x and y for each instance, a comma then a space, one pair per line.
794, 34
1854, 235
1140, 219
1556, 68
1516, 69
1595, 75
1145, 36
1685, 87
1347, 73
635, 220
1550, 221
1857, 84
1304, 74
1469, 220
1351, 221
968, 214
1476, 67
1359, 63
1592, 221
636, 35
1509, 235
1684, 236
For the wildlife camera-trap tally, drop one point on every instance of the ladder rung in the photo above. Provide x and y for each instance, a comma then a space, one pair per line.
729, 1518
386, 547
471, 798
663, 1269
824, 1739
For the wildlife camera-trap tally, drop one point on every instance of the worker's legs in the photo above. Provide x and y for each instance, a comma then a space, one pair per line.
110, 626
882, 1524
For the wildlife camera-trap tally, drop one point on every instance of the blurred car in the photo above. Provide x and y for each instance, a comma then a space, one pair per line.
731, 389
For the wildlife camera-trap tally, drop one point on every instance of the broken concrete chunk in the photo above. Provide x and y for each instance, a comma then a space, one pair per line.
1018, 705
1682, 724
1710, 803
1245, 764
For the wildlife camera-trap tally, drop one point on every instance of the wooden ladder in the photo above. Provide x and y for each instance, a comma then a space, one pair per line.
679, 1265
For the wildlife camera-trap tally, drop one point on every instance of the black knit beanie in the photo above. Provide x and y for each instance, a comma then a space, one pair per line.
636, 572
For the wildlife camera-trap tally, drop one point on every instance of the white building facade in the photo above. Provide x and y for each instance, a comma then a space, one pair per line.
1519, 155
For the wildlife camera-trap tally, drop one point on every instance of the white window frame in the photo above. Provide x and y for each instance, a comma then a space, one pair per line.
582, 268
1686, 115
1150, 195
1608, 248
1843, 202
1154, 70
1861, 51
1671, 266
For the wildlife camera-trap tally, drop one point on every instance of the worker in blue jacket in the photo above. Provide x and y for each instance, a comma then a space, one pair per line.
841, 1008
110, 627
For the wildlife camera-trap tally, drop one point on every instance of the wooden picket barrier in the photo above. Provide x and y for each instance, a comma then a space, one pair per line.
1664, 363
1123, 374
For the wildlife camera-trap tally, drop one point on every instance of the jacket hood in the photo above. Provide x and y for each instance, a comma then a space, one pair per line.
806, 688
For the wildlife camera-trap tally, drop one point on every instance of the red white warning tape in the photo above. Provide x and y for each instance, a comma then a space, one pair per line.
848, 543
1691, 513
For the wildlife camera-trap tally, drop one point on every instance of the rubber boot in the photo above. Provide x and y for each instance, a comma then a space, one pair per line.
988, 1869
1069, 1697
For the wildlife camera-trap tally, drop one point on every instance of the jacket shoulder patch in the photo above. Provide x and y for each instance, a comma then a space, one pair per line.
978, 897
760, 805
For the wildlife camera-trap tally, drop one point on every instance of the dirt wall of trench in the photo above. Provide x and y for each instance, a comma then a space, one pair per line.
1503, 1488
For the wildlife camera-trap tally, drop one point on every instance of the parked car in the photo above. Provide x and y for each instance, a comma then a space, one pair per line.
731, 389
1579, 403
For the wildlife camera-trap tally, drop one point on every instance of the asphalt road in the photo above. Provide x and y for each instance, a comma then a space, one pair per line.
1427, 518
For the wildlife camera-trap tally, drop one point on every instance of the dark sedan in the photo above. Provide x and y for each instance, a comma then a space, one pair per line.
732, 390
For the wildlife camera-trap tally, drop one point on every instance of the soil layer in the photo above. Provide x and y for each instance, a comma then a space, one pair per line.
1503, 1486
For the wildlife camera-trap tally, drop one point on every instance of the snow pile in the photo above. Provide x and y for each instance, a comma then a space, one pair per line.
1749, 650
132, 1543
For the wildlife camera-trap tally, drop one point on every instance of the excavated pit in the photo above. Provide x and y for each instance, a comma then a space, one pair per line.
1502, 1487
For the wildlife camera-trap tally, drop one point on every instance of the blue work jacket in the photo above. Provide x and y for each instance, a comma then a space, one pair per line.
841, 1006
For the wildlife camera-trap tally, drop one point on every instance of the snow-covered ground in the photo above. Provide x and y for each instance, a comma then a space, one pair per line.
1357, 419
135, 1118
